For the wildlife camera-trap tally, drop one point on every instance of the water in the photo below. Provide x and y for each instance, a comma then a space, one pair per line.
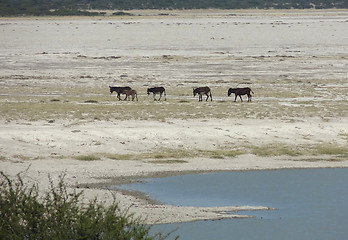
310, 203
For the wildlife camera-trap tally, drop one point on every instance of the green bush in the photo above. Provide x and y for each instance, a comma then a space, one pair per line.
87, 157
59, 214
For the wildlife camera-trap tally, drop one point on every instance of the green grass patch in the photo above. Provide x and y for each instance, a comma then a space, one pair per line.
317, 159
275, 149
91, 157
278, 149
330, 149
91, 101
175, 161
163, 153
166, 154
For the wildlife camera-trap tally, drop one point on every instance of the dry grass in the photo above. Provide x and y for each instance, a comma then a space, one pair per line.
174, 155
288, 99
276, 149
331, 149
279, 149
105, 109
160, 154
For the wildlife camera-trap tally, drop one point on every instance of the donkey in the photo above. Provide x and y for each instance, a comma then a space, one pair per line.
132, 93
156, 90
202, 90
119, 90
239, 92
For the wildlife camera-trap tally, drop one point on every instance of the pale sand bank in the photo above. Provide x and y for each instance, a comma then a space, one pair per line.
40, 149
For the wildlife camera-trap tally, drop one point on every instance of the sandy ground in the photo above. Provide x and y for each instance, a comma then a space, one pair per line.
301, 56
40, 149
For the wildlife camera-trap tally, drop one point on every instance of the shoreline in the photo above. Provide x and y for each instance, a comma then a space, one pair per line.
93, 176
97, 184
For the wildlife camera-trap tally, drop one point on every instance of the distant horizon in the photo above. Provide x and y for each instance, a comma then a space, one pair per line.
97, 7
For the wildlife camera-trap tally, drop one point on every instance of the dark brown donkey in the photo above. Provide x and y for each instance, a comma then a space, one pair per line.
119, 91
202, 90
156, 90
131, 93
239, 92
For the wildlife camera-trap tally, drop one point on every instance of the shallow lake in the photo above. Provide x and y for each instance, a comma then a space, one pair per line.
309, 203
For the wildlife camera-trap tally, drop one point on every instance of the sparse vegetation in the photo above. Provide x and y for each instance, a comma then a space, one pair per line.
105, 110
278, 149
119, 156
175, 155
331, 149
167, 161
91, 101
281, 103
172, 155
87, 157
275, 150
61, 214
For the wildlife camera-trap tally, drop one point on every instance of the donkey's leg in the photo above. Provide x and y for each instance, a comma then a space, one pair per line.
235, 97
241, 99
165, 96
160, 96
211, 98
154, 96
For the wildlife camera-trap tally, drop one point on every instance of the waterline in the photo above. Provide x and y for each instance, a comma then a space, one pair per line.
309, 203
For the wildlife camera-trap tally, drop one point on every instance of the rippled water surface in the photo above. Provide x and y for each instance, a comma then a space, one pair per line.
310, 204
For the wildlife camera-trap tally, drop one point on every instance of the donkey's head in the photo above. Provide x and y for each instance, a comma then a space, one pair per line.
195, 91
231, 90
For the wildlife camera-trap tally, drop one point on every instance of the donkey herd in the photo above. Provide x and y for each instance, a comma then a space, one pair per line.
129, 92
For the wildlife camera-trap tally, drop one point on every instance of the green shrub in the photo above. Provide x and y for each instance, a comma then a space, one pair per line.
87, 157
59, 214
